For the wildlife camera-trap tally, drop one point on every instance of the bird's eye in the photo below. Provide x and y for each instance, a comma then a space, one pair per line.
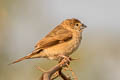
76, 24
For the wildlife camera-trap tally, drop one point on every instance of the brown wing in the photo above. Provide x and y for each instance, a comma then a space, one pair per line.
56, 36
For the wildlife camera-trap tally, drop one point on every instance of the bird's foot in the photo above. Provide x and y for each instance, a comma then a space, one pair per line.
64, 60
63, 57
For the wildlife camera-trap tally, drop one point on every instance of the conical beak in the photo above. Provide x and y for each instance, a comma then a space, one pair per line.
84, 26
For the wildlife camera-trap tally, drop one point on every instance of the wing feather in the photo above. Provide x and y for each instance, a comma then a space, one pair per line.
57, 35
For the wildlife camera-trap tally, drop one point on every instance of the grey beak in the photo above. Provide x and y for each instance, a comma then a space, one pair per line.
84, 26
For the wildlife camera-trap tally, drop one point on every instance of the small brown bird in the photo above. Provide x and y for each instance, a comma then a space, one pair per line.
62, 40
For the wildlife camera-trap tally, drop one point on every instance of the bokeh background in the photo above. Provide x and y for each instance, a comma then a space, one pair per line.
24, 22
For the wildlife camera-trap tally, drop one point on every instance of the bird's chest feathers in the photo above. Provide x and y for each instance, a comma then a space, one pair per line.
75, 42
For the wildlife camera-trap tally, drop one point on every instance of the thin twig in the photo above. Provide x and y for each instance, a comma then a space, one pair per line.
41, 69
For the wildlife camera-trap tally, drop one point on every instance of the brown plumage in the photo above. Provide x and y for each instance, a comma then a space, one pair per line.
62, 40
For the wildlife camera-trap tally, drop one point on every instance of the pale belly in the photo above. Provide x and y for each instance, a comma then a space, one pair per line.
65, 48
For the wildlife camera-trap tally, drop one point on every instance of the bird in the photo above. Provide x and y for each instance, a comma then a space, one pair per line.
63, 40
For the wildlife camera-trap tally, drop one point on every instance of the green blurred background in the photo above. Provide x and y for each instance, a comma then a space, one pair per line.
24, 22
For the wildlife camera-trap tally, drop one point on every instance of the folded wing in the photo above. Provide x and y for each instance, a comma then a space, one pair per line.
56, 36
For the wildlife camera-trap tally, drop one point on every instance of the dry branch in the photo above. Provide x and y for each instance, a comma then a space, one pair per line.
48, 75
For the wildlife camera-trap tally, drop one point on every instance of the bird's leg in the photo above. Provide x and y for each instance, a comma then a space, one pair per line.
61, 57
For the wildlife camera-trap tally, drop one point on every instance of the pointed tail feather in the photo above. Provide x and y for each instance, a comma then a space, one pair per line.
21, 59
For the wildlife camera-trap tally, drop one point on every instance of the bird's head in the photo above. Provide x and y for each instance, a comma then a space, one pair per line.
74, 24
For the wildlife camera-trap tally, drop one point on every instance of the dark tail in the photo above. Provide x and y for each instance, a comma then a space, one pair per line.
21, 59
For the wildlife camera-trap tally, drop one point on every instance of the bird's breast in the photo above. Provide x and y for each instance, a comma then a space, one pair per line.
75, 42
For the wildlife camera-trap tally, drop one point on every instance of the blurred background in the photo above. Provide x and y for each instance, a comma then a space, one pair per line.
24, 22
